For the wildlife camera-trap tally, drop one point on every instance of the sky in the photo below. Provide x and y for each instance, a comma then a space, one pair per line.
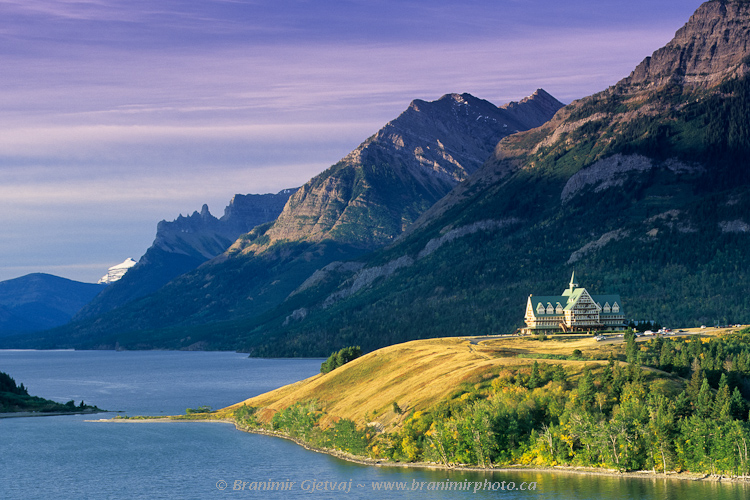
116, 114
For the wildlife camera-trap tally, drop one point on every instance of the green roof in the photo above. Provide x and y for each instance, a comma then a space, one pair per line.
568, 301
608, 299
545, 299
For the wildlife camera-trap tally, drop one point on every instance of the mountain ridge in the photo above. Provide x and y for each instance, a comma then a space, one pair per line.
718, 51
641, 189
184, 244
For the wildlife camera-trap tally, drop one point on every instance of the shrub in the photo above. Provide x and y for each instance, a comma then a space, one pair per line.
200, 409
340, 358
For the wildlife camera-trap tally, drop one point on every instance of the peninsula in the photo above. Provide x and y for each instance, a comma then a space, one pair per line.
664, 404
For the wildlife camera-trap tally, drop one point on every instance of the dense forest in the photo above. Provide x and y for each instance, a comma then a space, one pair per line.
634, 413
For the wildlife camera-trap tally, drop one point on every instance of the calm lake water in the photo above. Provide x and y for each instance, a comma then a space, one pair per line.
69, 458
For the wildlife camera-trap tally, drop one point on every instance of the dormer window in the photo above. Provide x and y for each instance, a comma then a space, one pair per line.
550, 309
615, 308
540, 308
607, 308
558, 309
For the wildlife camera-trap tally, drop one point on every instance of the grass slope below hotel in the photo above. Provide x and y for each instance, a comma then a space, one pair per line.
415, 375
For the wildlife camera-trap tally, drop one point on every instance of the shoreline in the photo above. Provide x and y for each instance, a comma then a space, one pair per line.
159, 420
557, 469
24, 414
584, 471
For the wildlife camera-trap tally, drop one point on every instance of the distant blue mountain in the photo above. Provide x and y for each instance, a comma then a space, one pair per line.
41, 301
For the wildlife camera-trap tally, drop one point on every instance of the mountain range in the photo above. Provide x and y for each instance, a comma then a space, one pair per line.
444, 222
359, 204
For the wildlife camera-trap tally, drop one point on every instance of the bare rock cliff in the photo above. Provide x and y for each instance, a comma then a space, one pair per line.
713, 45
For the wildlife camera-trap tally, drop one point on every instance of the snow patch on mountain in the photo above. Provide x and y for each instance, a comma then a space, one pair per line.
115, 273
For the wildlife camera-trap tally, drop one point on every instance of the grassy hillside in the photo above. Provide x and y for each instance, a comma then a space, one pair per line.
416, 375
661, 404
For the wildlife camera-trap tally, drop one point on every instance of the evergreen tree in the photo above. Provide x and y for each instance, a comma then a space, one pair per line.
535, 380
631, 348
340, 358
586, 390
722, 410
683, 408
704, 401
738, 409
696, 381
666, 356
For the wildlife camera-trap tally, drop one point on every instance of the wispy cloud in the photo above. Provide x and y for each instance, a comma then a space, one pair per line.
157, 188
290, 80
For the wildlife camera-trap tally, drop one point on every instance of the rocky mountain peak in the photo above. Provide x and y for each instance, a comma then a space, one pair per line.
371, 195
204, 212
712, 46
535, 110
245, 211
203, 234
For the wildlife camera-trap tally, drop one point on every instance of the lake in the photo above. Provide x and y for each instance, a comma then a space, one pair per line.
69, 457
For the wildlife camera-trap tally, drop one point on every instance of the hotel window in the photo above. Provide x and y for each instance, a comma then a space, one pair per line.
615, 308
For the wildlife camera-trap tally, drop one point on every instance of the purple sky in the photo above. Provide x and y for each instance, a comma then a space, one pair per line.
115, 114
